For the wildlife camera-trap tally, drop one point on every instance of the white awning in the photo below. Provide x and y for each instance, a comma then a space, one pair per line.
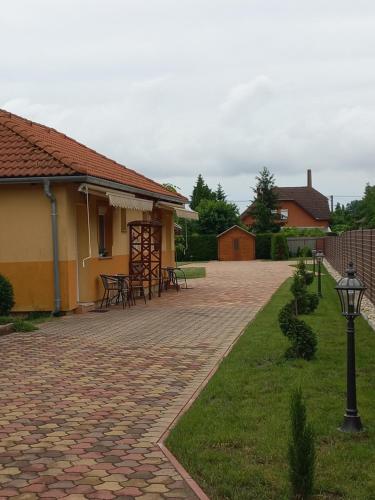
131, 202
118, 198
187, 214
179, 210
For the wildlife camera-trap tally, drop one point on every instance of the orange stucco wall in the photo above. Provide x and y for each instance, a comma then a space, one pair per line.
297, 217
26, 245
246, 245
33, 284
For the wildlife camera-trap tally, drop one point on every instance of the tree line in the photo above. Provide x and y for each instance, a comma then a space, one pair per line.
216, 214
357, 214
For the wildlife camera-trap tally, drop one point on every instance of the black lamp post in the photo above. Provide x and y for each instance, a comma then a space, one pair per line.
313, 252
319, 257
351, 290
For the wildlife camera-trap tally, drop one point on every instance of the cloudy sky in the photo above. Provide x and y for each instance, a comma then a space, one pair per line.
174, 88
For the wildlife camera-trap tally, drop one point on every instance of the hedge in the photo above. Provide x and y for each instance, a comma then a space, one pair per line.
200, 247
263, 245
279, 247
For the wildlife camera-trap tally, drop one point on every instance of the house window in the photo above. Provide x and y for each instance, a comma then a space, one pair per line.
236, 244
124, 227
104, 231
284, 214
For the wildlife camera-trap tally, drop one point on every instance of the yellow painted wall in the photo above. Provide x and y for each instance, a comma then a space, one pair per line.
26, 245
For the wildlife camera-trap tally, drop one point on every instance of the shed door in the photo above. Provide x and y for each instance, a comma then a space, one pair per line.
236, 249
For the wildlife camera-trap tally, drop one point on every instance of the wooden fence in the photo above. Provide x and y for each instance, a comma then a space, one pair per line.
358, 247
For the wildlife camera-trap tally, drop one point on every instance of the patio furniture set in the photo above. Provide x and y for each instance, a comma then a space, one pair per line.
124, 289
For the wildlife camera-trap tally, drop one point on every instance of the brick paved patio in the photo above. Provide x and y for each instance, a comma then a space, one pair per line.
85, 399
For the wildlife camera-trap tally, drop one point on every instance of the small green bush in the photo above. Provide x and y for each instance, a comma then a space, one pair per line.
263, 245
312, 301
279, 247
6, 296
309, 277
20, 325
304, 341
301, 450
306, 252
285, 316
300, 334
305, 302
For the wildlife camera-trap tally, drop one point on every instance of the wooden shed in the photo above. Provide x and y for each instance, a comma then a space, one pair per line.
236, 244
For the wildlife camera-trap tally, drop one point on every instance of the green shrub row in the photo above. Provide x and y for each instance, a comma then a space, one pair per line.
271, 246
279, 247
263, 245
200, 247
300, 334
296, 232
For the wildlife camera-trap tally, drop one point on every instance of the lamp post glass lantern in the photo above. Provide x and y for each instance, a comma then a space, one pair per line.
319, 257
350, 290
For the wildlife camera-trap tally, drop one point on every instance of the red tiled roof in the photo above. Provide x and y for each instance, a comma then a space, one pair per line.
28, 149
313, 202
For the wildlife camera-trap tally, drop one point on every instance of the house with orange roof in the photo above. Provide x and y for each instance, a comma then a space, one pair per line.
65, 211
300, 206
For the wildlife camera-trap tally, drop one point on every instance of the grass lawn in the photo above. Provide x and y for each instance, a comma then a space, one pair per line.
185, 263
233, 440
192, 272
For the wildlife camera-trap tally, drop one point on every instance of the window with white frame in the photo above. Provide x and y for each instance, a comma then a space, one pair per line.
284, 214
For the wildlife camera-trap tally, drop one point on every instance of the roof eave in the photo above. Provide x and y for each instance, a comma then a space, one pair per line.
94, 180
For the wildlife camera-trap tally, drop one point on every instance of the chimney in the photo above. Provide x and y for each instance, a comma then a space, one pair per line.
309, 179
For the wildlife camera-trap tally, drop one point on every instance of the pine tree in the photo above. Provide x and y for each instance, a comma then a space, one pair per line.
220, 194
301, 449
265, 203
201, 192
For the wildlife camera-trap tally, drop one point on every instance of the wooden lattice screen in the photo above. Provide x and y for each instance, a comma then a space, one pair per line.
145, 239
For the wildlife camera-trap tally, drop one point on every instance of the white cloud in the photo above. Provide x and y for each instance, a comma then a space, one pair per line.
219, 88
254, 93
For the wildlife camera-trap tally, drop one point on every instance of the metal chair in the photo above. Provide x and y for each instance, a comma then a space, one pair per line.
116, 289
179, 269
169, 279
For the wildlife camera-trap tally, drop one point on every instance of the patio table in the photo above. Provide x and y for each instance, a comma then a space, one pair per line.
117, 283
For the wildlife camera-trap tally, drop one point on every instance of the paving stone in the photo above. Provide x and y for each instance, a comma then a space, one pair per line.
25, 496
156, 488
110, 486
87, 422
